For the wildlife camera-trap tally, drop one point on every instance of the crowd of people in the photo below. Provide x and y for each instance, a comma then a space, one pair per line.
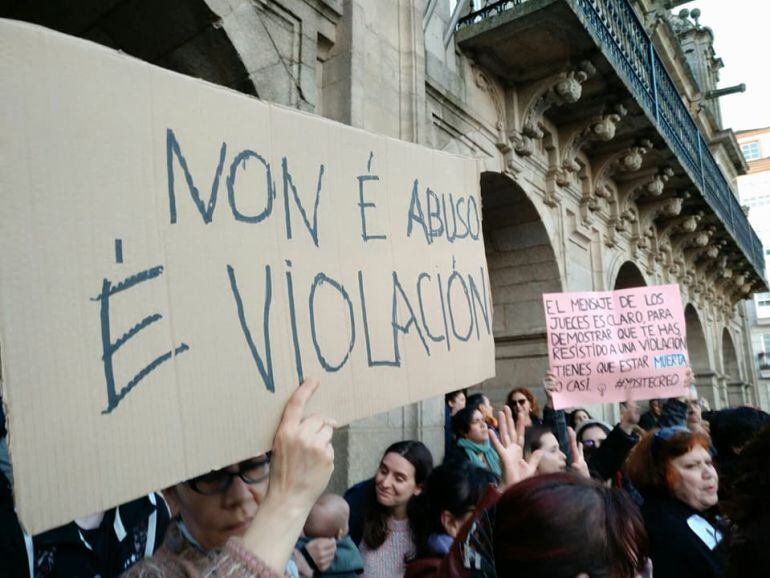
679, 491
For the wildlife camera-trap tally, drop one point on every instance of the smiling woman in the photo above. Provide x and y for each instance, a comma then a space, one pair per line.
387, 541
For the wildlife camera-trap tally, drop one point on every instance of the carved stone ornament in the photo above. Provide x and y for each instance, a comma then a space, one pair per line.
663, 254
650, 211
679, 225
599, 128
627, 160
538, 97
644, 240
498, 100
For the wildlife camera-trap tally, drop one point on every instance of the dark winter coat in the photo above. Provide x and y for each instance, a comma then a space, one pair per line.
683, 542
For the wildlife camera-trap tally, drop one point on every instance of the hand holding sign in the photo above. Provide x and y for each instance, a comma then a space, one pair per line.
300, 468
550, 386
209, 250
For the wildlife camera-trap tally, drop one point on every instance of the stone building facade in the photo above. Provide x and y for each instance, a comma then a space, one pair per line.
605, 165
754, 191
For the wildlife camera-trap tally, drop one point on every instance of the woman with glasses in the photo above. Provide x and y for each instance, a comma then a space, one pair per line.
695, 421
524, 406
243, 520
673, 470
605, 448
591, 434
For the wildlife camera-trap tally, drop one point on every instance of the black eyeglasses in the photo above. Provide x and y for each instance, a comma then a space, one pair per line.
521, 402
252, 472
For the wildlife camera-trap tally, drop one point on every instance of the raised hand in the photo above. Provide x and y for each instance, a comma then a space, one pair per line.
551, 386
579, 464
510, 447
303, 456
300, 468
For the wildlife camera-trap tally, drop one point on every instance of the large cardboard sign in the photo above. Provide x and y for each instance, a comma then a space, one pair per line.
603, 345
175, 257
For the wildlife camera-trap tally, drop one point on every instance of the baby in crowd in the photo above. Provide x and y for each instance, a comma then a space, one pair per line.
329, 519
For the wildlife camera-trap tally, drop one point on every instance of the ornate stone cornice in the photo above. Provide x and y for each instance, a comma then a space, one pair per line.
653, 210
680, 224
600, 127
537, 97
627, 160
694, 239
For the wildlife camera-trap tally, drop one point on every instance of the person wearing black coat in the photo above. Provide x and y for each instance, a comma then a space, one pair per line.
357, 497
684, 541
13, 549
672, 469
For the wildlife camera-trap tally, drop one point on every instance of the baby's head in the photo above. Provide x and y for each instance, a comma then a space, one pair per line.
328, 518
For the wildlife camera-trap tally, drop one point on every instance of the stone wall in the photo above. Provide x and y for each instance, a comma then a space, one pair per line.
578, 194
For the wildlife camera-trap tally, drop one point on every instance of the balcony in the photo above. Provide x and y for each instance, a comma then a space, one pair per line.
523, 40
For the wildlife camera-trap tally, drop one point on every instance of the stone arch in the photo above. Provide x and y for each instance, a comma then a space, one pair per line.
523, 264
730, 357
732, 371
186, 36
700, 361
697, 346
628, 276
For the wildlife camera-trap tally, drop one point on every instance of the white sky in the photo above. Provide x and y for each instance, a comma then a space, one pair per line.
741, 30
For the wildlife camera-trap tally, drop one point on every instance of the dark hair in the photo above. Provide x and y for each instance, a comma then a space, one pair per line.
649, 464
733, 428
376, 518
461, 421
535, 408
475, 400
541, 530
453, 394
532, 437
748, 509
588, 424
573, 413
454, 486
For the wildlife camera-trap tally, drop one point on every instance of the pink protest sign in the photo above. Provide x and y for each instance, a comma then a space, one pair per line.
601, 345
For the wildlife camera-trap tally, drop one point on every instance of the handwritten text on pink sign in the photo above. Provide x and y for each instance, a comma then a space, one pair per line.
603, 344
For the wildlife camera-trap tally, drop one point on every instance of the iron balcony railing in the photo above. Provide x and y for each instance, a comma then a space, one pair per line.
616, 29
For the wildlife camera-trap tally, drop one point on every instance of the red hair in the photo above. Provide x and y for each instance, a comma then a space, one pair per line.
650, 466
534, 407
564, 525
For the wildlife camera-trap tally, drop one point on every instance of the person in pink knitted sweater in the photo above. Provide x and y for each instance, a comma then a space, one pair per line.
243, 521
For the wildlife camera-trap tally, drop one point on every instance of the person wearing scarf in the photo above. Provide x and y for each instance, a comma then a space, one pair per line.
482, 455
472, 440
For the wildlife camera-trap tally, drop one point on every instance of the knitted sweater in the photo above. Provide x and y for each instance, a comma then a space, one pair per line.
389, 560
179, 558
